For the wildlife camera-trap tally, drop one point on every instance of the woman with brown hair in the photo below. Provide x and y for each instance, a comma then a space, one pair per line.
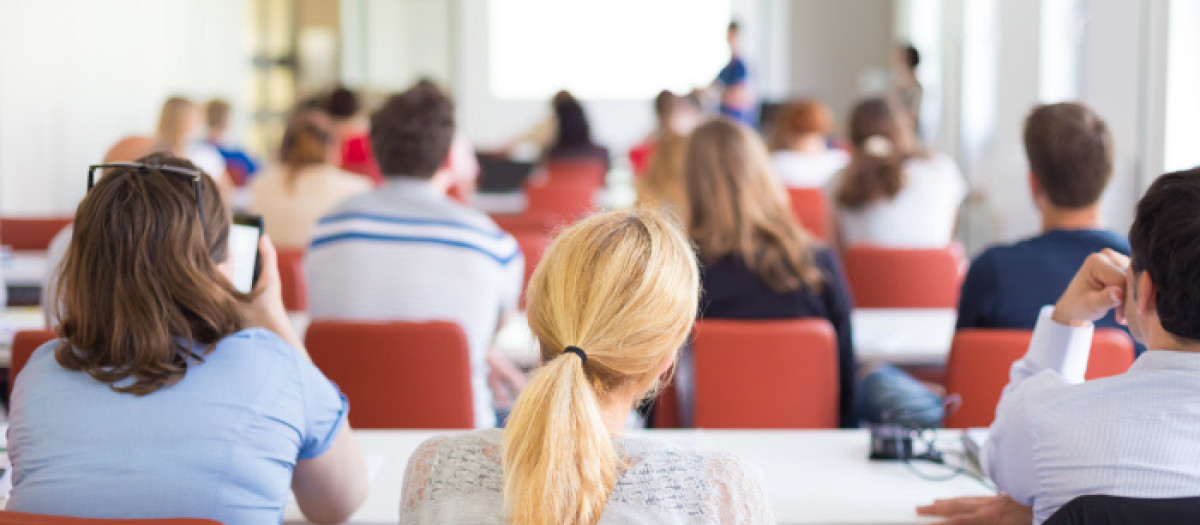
306, 185
894, 193
800, 152
662, 184
758, 262
171, 394
610, 304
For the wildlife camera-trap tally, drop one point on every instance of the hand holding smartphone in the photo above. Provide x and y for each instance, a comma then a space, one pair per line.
243, 249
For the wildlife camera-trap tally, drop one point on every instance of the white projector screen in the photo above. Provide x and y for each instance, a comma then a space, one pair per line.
609, 49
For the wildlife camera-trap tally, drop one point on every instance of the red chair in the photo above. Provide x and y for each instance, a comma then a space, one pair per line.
592, 171
766, 374
30, 233
527, 221
20, 518
905, 278
666, 408
811, 208
397, 374
564, 200
533, 244
980, 360
23, 345
293, 280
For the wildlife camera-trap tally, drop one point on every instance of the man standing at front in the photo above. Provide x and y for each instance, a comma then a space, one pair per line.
407, 252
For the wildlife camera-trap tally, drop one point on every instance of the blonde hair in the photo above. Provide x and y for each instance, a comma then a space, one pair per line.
624, 287
662, 185
173, 123
737, 206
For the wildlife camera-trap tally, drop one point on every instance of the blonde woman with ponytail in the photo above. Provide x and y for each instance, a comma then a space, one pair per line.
611, 302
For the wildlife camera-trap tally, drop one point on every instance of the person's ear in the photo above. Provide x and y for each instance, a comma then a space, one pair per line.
1035, 189
1147, 294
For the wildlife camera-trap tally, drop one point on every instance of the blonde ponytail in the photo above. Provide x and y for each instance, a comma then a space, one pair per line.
623, 286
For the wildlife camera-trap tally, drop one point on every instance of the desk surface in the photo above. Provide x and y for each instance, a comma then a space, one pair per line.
812, 476
25, 268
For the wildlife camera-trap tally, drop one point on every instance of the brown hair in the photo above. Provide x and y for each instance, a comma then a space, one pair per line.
216, 113
883, 141
306, 142
412, 132
804, 117
139, 283
1070, 152
173, 124
736, 206
662, 184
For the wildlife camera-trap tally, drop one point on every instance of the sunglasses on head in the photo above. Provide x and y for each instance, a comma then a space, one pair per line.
189, 174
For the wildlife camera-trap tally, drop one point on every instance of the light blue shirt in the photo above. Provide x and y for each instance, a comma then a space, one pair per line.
1057, 437
219, 444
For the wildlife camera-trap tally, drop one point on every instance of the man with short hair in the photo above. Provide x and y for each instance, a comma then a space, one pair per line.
1132, 435
407, 252
239, 164
1070, 161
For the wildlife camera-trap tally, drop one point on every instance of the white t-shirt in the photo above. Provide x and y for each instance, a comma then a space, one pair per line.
921, 215
207, 158
808, 170
406, 252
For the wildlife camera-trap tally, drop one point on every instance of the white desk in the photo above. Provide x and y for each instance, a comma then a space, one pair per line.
816, 476
896, 336
919, 336
26, 269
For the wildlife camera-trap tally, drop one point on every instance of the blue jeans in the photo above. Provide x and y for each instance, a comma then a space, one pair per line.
889, 395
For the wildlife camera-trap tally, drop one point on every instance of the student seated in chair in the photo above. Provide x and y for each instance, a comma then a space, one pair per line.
170, 393
1134, 435
610, 305
1070, 159
406, 252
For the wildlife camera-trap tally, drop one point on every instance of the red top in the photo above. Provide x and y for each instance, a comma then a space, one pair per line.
640, 155
358, 158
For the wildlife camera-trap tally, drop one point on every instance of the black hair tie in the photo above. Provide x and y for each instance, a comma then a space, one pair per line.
577, 351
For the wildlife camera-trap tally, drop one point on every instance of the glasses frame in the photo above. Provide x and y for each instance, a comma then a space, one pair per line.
193, 175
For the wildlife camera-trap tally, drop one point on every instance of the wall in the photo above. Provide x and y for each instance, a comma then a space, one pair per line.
837, 47
77, 75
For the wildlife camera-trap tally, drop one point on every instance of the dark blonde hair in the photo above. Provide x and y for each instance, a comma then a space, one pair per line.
737, 206
804, 117
662, 185
306, 142
139, 283
882, 136
624, 287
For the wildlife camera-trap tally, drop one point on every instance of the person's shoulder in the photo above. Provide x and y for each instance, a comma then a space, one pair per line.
258, 344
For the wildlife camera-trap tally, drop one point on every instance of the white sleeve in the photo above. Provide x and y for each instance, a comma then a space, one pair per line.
1055, 349
740, 497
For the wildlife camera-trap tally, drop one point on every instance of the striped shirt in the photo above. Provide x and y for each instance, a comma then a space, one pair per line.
406, 252
1056, 437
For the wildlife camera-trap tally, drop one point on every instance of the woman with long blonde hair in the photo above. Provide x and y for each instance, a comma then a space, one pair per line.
611, 303
758, 261
180, 133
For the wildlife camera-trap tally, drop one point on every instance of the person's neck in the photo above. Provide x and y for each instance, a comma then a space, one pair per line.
213, 138
1159, 339
615, 412
1087, 218
811, 143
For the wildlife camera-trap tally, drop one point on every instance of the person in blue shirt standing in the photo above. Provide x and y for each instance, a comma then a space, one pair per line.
1069, 149
737, 97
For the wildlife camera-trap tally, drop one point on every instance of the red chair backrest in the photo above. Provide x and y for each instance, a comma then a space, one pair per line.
666, 408
21, 518
591, 171
980, 360
905, 278
811, 208
533, 244
23, 345
766, 374
293, 280
527, 221
564, 200
31, 233
397, 374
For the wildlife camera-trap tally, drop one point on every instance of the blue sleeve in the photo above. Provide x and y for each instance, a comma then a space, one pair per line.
733, 73
325, 410
979, 294
836, 296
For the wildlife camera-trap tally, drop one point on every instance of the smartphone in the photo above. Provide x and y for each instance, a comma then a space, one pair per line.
243, 248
